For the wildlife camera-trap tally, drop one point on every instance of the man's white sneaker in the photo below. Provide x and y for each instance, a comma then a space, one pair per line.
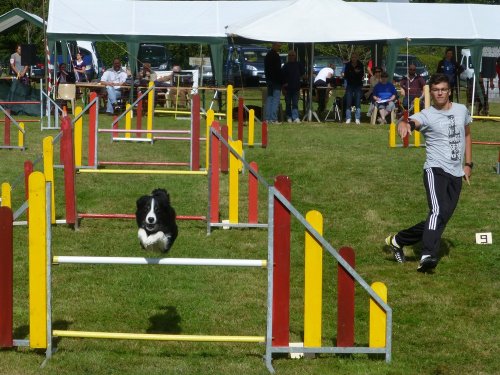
358, 122
297, 121
289, 120
348, 121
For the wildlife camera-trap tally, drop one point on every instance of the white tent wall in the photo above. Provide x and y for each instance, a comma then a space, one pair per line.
135, 21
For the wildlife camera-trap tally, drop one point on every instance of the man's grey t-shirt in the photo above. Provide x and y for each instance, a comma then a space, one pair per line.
444, 132
15, 59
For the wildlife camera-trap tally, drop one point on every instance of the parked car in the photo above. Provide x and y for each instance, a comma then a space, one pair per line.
244, 65
155, 54
401, 67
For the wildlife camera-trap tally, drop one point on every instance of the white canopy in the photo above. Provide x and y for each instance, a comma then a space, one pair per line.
318, 21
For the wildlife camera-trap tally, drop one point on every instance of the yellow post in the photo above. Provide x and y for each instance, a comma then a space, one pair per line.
6, 196
251, 127
427, 97
313, 282
233, 186
48, 171
416, 109
151, 98
238, 146
37, 232
392, 135
210, 119
229, 113
128, 120
20, 137
378, 316
78, 135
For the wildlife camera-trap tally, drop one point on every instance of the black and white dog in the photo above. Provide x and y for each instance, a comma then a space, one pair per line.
156, 221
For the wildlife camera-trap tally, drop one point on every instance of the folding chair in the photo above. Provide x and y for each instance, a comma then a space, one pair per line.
67, 91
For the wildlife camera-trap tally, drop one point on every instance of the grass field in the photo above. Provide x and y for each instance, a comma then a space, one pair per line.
444, 323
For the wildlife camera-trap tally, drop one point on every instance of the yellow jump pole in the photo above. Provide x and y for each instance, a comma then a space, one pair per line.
37, 232
392, 135
20, 135
128, 120
238, 146
251, 127
427, 97
6, 195
78, 134
210, 119
149, 121
229, 112
48, 171
233, 187
416, 109
313, 285
378, 320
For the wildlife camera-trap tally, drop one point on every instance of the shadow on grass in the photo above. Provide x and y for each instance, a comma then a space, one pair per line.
166, 322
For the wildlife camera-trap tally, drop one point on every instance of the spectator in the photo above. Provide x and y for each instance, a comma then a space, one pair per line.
374, 79
177, 94
79, 69
113, 78
63, 76
292, 73
321, 82
18, 70
451, 68
272, 70
384, 96
369, 68
354, 74
146, 75
412, 86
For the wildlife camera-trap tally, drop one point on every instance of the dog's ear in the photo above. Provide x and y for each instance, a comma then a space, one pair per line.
162, 195
141, 201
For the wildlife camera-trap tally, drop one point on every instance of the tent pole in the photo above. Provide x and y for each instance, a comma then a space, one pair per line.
309, 112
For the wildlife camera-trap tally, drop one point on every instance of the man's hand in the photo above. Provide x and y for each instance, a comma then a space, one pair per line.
404, 129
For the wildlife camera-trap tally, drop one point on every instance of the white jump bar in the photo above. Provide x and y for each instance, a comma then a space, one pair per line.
159, 261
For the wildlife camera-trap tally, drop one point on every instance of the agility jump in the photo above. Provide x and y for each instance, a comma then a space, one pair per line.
7, 121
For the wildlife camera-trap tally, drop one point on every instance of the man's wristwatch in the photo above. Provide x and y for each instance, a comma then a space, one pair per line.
470, 165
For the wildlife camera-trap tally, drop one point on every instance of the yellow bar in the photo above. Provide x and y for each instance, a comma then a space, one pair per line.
156, 337
238, 146
392, 135
37, 228
6, 195
48, 171
427, 97
494, 118
313, 286
209, 120
78, 129
251, 127
233, 186
128, 120
20, 136
149, 121
378, 321
140, 171
416, 109
229, 111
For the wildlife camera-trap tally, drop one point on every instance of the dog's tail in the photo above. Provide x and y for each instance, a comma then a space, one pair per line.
161, 192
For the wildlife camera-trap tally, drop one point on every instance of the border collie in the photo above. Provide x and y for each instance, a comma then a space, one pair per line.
156, 221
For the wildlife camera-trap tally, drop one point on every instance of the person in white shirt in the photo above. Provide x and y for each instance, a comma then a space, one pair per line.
112, 78
322, 79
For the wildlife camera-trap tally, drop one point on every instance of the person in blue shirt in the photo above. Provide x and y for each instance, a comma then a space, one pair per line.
384, 96
451, 68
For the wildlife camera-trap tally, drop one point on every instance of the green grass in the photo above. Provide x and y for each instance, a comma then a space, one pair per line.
445, 323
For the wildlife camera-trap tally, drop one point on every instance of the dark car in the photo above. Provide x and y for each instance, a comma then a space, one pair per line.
401, 67
155, 54
244, 65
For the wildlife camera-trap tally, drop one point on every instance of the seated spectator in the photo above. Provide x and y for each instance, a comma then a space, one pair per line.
63, 76
112, 79
384, 96
321, 82
412, 86
79, 68
177, 95
146, 75
374, 79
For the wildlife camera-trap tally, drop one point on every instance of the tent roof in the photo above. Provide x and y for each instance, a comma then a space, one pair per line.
464, 24
150, 21
316, 21
16, 15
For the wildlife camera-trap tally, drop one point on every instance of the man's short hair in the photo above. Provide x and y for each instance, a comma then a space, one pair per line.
384, 74
438, 78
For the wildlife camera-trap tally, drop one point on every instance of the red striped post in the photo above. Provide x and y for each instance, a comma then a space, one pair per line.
253, 190
6, 277
195, 133
115, 126
28, 169
224, 156
345, 300
6, 134
264, 134
69, 171
139, 113
240, 119
406, 140
281, 273
92, 131
214, 175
